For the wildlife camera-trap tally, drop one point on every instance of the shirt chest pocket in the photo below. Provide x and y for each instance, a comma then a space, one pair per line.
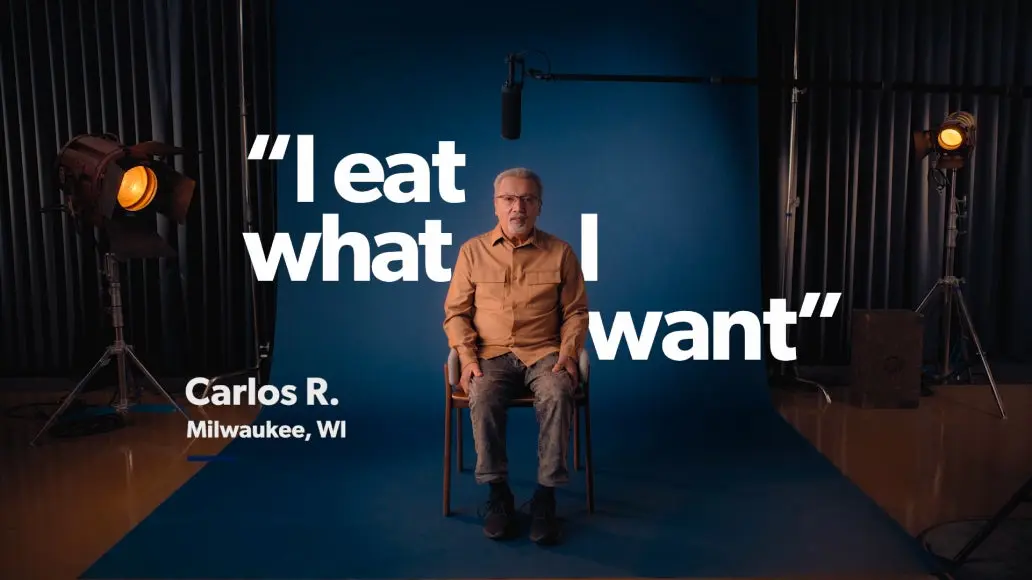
542, 289
490, 288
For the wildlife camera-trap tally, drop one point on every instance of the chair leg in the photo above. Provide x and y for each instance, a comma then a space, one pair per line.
589, 469
446, 497
458, 439
576, 439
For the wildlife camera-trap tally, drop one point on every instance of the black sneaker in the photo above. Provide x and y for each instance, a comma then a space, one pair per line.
544, 526
498, 513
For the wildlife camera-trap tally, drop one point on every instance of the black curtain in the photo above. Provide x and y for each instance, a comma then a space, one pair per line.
164, 70
870, 222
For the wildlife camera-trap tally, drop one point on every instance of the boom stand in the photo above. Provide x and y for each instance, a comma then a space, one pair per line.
261, 351
122, 352
788, 373
949, 284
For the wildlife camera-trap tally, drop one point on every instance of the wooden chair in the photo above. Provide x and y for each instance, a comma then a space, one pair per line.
456, 400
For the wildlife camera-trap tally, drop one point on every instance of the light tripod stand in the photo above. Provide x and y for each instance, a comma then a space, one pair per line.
949, 285
123, 354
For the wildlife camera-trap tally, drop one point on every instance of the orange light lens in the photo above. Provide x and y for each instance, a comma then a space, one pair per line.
138, 188
950, 138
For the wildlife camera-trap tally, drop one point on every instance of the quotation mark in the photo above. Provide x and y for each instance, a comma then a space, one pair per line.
261, 142
810, 304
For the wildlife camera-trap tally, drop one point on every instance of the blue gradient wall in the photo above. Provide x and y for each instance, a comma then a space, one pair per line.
670, 170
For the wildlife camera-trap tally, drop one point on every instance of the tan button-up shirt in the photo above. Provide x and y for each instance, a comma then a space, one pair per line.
529, 300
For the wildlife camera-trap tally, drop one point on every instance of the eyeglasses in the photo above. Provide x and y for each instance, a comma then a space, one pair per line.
512, 199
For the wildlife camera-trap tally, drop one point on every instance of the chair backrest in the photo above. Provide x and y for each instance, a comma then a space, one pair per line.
584, 366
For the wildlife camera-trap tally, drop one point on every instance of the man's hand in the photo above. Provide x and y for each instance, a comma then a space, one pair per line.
569, 365
469, 371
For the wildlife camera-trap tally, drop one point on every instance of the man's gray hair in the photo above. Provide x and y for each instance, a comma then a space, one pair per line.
521, 173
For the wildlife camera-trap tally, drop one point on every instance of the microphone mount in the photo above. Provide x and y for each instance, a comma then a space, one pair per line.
541, 75
515, 61
800, 85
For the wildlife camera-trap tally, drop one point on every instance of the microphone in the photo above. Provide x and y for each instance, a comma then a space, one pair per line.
512, 102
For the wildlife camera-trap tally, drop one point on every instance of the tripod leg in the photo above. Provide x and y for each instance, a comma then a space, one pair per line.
947, 330
216, 380
153, 381
978, 346
927, 298
101, 363
1024, 494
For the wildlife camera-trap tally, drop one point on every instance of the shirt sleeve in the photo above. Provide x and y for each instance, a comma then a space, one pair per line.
458, 310
573, 299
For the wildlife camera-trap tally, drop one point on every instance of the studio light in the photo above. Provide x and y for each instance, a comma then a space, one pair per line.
952, 141
120, 189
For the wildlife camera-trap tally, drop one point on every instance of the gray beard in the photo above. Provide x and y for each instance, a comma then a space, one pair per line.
519, 229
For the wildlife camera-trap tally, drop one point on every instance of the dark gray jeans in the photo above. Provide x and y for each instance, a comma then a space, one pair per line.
505, 377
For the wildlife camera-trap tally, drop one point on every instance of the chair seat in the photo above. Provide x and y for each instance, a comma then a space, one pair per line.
460, 398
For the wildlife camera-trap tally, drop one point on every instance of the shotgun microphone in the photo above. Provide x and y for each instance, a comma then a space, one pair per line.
512, 102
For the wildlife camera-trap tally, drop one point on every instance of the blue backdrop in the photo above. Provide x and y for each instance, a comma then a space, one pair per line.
696, 473
670, 170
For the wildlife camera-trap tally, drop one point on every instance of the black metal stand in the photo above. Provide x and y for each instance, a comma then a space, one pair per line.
1023, 495
788, 372
261, 350
950, 286
119, 350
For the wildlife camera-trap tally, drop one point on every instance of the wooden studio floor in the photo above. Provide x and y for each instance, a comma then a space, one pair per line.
64, 504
